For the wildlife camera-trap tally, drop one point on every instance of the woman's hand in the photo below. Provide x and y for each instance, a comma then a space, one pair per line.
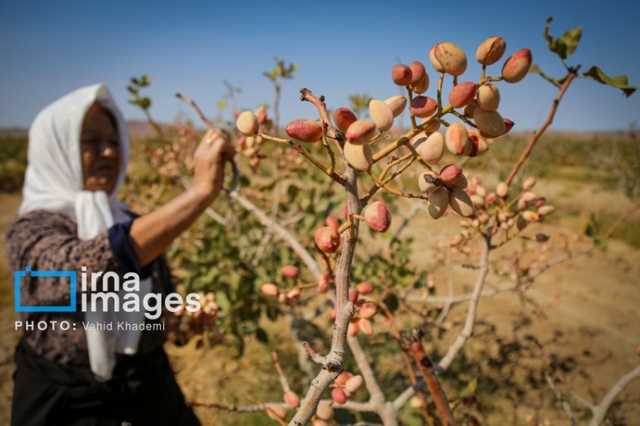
152, 233
209, 163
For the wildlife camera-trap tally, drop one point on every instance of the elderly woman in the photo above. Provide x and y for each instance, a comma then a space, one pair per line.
70, 219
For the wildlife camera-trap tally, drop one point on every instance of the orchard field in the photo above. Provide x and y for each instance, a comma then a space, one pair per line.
588, 320
513, 301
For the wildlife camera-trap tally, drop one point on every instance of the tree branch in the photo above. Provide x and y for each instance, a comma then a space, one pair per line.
433, 384
600, 411
375, 392
344, 309
302, 151
467, 331
536, 136
281, 232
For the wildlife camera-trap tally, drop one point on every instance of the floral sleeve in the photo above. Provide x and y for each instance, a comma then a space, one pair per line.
44, 240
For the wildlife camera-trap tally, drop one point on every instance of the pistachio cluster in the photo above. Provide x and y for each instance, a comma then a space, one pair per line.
475, 104
345, 385
250, 124
291, 291
502, 209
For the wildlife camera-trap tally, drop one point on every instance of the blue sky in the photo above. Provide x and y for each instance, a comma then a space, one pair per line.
49, 48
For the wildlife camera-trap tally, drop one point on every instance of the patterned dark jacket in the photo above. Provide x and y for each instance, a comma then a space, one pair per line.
43, 240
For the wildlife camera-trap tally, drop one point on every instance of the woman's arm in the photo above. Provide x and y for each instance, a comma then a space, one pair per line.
152, 233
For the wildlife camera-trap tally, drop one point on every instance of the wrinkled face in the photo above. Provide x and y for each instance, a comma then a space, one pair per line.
100, 151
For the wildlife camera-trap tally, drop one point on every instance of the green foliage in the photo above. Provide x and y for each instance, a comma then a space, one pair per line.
389, 269
603, 226
359, 103
619, 82
221, 104
281, 70
136, 84
228, 98
565, 45
535, 69
593, 230
213, 264
13, 162
470, 389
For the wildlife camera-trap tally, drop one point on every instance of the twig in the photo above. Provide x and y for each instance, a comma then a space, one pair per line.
407, 136
219, 132
283, 378
467, 331
566, 407
308, 96
454, 300
300, 149
536, 136
153, 123
413, 117
398, 192
381, 182
447, 306
315, 356
415, 209
375, 392
281, 232
403, 398
464, 118
276, 104
439, 91
196, 108
600, 411
237, 408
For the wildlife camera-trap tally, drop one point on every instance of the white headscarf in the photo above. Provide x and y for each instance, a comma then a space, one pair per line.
54, 182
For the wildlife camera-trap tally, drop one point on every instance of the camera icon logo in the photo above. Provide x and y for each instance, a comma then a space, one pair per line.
18, 277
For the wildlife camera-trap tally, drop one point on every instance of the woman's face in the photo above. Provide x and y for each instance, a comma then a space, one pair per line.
100, 151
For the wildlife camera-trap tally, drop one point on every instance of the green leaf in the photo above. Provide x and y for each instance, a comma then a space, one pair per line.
222, 300
359, 102
238, 344
542, 238
535, 69
619, 82
470, 389
562, 46
144, 103
589, 231
248, 328
392, 302
602, 244
262, 336
272, 312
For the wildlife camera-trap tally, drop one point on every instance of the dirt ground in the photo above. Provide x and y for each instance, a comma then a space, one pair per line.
590, 305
